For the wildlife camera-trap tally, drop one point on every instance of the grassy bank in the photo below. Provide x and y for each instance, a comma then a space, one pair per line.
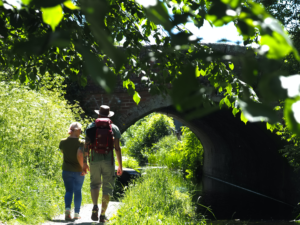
31, 125
158, 197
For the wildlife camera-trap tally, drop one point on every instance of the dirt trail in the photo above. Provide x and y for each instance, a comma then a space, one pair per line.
85, 214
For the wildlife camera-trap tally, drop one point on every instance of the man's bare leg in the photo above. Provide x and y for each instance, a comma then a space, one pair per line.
95, 196
105, 201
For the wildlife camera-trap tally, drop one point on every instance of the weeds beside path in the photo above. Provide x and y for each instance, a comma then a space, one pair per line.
85, 214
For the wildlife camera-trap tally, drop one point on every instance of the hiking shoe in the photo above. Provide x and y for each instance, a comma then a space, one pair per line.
103, 219
77, 216
68, 215
95, 214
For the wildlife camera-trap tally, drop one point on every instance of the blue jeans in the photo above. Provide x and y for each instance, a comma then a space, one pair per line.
73, 184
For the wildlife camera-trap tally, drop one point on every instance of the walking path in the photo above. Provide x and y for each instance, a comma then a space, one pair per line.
85, 214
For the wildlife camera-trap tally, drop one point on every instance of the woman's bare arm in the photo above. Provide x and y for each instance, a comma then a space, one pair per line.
80, 156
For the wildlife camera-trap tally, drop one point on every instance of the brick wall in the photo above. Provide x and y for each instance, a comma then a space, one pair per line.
126, 110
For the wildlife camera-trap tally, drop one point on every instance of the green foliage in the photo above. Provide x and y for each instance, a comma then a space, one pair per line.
128, 162
158, 197
83, 44
31, 125
140, 136
186, 155
291, 150
164, 153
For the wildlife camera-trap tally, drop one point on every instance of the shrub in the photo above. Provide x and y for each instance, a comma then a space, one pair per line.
139, 138
162, 153
128, 162
186, 155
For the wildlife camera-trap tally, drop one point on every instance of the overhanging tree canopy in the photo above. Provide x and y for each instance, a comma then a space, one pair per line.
77, 39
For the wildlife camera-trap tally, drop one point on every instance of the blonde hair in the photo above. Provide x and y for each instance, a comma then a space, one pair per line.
74, 126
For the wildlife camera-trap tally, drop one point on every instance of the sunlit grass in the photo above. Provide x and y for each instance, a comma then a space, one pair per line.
31, 125
158, 197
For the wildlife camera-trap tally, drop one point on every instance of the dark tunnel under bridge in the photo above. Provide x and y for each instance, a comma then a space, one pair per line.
243, 171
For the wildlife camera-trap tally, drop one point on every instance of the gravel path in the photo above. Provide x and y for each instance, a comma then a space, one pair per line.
85, 214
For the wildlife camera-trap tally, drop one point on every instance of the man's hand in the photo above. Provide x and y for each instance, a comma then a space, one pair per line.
85, 168
119, 171
119, 156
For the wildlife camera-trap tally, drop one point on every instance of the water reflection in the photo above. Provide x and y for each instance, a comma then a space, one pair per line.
231, 202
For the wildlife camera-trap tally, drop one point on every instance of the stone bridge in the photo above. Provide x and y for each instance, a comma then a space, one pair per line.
240, 155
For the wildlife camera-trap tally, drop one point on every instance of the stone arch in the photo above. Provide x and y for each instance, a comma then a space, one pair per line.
126, 118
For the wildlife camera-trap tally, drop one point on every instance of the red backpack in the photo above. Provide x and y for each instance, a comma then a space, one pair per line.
103, 142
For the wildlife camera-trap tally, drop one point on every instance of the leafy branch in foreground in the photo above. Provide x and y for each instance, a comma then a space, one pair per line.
77, 40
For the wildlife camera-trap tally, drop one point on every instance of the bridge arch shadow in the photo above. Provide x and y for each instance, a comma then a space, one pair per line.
236, 156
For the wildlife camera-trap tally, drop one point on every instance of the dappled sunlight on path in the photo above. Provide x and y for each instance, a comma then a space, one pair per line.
85, 214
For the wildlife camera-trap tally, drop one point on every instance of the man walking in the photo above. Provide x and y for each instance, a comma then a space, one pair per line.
102, 165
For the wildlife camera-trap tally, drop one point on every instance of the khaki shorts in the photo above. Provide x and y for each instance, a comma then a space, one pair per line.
103, 173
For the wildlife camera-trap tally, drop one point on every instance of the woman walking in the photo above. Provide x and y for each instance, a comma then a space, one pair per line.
73, 175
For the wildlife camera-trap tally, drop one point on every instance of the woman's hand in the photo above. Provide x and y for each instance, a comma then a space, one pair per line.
85, 168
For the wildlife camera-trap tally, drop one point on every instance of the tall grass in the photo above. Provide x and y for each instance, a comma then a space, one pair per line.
158, 197
31, 125
186, 155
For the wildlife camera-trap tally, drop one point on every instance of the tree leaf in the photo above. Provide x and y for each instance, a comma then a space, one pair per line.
53, 16
221, 103
83, 81
197, 72
271, 127
229, 89
201, 112
25, 2
235, 111
32, 76
2, 61
95, 13
119, 36
43, 70
136, 98
231, 66
257, 112
227, 102
127, 83
292, 114
97, 69
291, 84
279, 42
71, 5
159, 15
243, 118
181, 38
22, 77
46, 3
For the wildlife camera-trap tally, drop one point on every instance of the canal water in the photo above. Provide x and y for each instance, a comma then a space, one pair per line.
228, 201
